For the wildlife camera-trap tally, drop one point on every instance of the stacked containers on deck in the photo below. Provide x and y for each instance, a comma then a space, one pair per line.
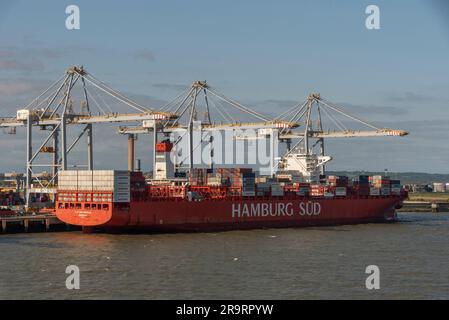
338, 181
197, 176
241, 180
297, 178
289, 177
284, 177
323, 179
263, 188
277, 190
234, 174
216, 179
317, 190
248, 181
340, 191
380, 185
103, 181
68, 180
339, 185
263, 185
439, 187
303, 189
361, 185
395, 187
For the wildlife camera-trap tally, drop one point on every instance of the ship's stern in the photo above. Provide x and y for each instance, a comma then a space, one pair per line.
84, 214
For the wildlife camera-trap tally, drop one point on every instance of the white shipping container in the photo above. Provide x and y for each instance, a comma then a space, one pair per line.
115, 181
439, 187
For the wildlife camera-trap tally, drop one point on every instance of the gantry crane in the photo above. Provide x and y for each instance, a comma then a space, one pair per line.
187, 108
302, 156
54, 109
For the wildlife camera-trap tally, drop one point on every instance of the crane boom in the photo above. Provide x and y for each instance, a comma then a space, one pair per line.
85, 119
347, 134
277, 124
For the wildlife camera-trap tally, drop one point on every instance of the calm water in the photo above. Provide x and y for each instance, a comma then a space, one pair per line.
328, 262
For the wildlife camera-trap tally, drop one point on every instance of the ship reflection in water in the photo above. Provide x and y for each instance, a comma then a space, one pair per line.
308, 263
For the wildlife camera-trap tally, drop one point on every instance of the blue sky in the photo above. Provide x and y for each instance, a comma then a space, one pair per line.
263, 53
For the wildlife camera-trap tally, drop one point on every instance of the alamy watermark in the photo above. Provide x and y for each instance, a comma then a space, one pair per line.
373, 280
72, 282
372, 22
72, 22
226, 147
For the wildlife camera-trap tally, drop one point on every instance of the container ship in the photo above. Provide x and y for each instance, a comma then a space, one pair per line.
221, 199
180, 197
184, 194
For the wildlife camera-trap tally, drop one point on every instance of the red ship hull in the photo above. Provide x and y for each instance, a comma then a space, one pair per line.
231, 214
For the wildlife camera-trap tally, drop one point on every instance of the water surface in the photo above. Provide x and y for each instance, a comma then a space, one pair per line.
307, 263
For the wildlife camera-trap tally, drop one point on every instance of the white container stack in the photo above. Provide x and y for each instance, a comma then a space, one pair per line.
439, 187
68, 180
115, 181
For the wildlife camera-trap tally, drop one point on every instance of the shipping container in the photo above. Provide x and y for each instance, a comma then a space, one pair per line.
340, 191
338, 181
276, 190
115, 181
317, 190
439, 187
